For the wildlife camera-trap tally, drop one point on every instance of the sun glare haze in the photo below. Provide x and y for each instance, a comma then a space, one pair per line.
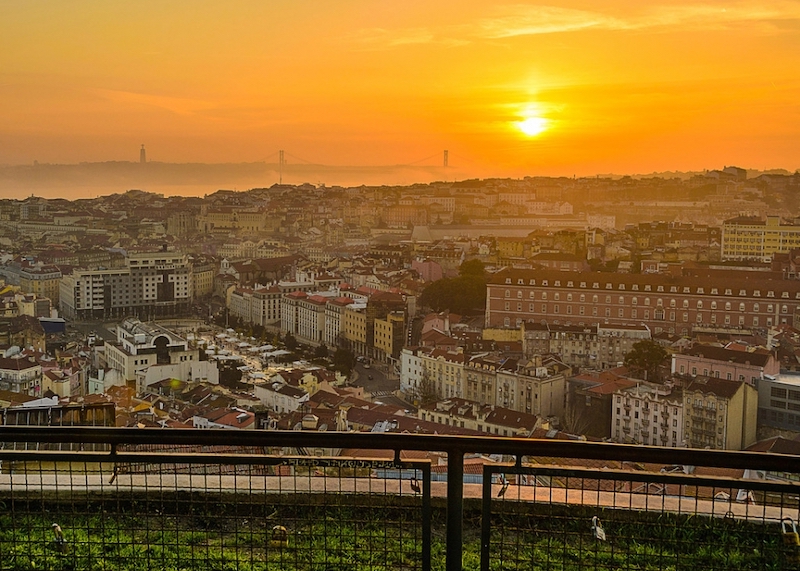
532, 126
649, 86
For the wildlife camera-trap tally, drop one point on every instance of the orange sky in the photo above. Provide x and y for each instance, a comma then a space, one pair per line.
629, 87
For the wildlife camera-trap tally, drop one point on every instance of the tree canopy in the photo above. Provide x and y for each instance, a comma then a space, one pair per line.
463, 294
646, 356
343, 361
460, 295
473, 267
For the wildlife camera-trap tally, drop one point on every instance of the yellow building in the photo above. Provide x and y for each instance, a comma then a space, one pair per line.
719, 414
753, 239
203, 279
354, 328
498, 334
511, 247
390, 334
44, 281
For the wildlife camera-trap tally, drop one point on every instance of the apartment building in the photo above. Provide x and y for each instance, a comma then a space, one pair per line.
779, 402
754, 239
673, 304
719, 414
157, 284
471, 415
258, 305
648, 413
722, 363
203, 279
536, 387
42, 280
389, 336
21, 375
333, 320
593, 346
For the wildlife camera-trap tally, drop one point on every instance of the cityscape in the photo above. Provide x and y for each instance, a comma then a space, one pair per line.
357, 286
499, 306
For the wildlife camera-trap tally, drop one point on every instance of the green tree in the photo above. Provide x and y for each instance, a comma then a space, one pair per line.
461, 295
474, 267
646, 356
290, 342
343, 361
320, 352
426, 393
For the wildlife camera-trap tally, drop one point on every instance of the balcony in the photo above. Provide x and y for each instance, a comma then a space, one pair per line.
263, 500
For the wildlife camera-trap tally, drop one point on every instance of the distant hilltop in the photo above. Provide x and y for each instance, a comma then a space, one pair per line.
86, 180
89, 180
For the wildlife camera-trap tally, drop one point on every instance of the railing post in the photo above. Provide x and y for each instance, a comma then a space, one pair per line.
455, 509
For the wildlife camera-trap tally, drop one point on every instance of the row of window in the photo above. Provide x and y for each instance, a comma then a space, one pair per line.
770, 308
658, 314
778, 392
648, 287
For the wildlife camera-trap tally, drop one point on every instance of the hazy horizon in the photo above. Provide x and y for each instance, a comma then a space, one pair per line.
93, 179
509, 89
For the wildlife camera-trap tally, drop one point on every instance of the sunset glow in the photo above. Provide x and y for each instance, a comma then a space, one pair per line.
532, 126
627, 87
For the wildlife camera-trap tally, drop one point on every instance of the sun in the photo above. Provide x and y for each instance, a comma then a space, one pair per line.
532, 126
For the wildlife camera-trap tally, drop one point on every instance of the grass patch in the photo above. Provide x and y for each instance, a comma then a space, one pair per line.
171, 535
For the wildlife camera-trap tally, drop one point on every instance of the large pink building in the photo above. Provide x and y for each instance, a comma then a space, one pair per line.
721, 363
663, 303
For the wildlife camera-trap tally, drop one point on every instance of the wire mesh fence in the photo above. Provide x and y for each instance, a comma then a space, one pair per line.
110, 499
212, 511
547, 518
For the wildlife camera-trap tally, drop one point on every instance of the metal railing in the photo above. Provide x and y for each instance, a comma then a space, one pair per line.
191, 499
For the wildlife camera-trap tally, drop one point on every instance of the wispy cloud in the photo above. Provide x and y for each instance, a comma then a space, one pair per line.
527, 20
381, 38
178, 105
523, 20
516, 20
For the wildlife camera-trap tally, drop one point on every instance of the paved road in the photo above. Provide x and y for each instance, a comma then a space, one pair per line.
75, 482
379, 383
